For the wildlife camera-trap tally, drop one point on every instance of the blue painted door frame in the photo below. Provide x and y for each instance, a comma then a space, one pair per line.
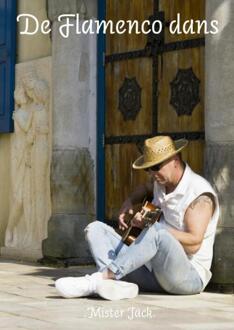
101, 116
7, 63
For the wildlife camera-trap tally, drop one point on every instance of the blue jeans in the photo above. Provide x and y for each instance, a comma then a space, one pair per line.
171, 272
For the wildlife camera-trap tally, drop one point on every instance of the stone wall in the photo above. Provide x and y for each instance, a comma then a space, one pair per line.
30, 47
219, 128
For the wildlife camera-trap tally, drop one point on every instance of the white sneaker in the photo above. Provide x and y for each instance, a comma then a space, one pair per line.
116, 290
75, 287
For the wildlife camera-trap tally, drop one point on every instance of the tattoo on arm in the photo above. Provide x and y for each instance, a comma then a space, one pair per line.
205, 198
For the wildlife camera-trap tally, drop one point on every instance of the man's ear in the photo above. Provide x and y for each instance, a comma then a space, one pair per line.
177, 160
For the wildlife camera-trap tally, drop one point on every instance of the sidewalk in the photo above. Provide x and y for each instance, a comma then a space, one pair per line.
28, 300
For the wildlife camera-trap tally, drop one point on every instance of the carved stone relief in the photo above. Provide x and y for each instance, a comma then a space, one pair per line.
27, 224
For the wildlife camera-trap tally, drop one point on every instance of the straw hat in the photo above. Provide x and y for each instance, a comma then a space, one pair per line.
158, 149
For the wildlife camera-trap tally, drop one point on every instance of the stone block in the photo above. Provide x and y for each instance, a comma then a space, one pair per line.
35, 46
219, 73
83, 7
66, 238
223, 261
219, 164
30, 254
74, 90
60, 7
72, 181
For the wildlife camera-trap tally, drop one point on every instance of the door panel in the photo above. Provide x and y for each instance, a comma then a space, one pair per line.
127, 10
194, 155
120, 177
189, 9
116, 72
168, 119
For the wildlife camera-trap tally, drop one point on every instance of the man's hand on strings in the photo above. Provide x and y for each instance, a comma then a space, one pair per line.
137, 221
127, 208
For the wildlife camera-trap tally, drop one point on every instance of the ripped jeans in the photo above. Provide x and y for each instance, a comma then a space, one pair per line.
171, 272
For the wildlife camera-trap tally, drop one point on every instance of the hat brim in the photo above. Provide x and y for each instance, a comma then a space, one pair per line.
139, 163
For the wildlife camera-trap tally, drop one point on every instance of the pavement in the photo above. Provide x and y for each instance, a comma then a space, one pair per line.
28, 300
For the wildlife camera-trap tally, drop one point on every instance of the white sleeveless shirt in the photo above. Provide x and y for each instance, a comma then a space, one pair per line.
174, 206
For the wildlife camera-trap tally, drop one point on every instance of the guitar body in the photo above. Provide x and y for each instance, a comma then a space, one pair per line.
150, 215
130, 235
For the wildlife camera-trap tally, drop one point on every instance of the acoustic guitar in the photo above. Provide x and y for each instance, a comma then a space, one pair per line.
150, 214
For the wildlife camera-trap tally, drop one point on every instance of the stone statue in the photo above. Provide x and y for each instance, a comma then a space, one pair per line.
27, 225
21, 168
38, 91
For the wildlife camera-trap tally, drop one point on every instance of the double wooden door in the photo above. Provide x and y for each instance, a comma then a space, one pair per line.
154, 86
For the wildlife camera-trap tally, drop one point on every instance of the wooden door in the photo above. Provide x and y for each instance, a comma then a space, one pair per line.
154, 86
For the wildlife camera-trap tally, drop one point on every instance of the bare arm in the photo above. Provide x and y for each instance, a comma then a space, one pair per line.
196, 220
